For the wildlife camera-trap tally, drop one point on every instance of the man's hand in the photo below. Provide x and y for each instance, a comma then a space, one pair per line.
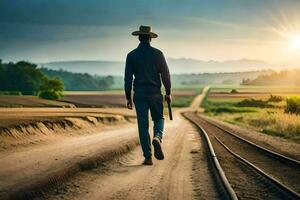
168, 98
129, 104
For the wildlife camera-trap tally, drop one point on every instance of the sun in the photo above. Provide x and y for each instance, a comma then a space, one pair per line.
296, 41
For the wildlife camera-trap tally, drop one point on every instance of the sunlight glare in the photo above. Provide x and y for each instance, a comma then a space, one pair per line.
296, 42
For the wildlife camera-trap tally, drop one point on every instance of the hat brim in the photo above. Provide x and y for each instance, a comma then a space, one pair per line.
152, 35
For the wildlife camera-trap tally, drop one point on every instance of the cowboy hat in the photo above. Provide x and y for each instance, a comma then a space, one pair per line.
145, 30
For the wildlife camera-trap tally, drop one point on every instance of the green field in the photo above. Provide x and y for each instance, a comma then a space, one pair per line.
184, 96
252, 107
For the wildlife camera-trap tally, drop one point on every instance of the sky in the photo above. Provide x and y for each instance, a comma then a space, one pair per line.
58, 30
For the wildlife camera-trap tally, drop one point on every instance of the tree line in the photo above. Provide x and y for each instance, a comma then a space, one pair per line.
286, 77
26, 78
80, 81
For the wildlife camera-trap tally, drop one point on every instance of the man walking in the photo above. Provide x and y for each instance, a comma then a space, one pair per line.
149, 68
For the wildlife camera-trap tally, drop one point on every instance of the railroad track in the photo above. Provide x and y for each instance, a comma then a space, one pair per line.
252, 171
263, 149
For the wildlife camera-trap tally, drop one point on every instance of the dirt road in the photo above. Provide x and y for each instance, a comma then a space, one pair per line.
184, 174
198, 100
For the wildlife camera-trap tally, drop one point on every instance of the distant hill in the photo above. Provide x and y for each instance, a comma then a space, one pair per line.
90, 67
177, 66
226, 78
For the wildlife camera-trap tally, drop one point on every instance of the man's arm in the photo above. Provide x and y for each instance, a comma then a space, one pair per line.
165, 74
128, 82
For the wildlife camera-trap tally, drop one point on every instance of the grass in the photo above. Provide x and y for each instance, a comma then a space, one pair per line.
182, 101
258, 103
215, 107
18, 93
293, 105
265, 116
269, 121
231, 109
185, 101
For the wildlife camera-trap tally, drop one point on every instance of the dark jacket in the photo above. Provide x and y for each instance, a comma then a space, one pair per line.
149, 68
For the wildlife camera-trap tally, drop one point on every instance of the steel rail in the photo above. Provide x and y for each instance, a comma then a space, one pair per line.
277, 183
230, 193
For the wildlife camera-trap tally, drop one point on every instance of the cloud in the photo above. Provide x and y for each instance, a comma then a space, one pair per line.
30, 25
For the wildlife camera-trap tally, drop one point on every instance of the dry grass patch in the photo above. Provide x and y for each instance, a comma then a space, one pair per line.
269, 121
256, 108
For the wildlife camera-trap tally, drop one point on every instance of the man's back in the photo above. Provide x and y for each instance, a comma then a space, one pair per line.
149, 68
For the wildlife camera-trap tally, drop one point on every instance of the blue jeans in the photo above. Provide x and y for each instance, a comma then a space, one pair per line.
153, 103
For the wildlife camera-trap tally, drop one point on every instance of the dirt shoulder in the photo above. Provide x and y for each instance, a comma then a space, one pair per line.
49, 163
41, 146
21, 127
15, 116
